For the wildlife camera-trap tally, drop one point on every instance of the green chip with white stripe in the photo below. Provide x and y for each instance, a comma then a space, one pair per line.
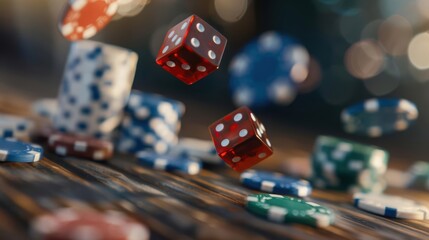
284, 209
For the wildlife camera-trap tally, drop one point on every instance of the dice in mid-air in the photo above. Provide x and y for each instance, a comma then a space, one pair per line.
191, 50
240, 139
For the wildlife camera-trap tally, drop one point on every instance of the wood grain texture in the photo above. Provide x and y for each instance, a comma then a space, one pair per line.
177, 206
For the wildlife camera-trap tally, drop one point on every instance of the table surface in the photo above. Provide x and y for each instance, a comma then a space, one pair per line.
177, 206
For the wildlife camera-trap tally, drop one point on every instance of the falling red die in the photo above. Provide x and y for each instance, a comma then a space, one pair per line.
83, 19
240, 139
191, 50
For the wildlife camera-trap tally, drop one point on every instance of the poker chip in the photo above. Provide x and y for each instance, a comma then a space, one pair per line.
391, 206
72, 224
267, 71
12, 150
45, 108
15, 127
130, 8
151, 122
284, 209
376, 117
203, 150
275, 183
82, 19
169, 163
344, 165
81, 146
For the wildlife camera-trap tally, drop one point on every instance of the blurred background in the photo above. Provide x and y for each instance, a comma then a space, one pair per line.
358, 49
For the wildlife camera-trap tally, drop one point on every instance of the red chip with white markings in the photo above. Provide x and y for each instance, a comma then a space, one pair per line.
80, 146
82, 19
72, 224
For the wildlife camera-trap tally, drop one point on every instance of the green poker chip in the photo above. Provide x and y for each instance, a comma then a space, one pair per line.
340, 164
284, 209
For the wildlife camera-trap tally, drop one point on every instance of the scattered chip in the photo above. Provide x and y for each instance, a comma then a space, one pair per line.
376, 117
391, 206
12, 150
72, 224
275, 183
169, 163
15, 127
286, 209
82, 19
81, 146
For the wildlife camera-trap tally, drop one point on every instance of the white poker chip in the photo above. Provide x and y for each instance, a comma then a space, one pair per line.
391, 206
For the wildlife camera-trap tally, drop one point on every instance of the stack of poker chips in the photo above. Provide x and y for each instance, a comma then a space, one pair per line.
95, 88
151, 122
344, 165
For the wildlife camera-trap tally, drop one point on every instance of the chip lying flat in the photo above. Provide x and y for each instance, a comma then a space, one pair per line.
72, 224
391, 206
275, 183
286, 209
12, 150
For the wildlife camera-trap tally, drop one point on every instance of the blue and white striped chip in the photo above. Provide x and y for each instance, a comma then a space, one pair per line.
277, 183
169, 163
391, 206
12, 150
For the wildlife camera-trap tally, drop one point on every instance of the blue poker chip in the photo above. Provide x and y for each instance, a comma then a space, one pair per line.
266, 72
378, 116
169, 163
277, 183
142, 105
12, 150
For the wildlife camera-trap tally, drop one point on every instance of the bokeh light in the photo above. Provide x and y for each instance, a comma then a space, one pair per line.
418, 51
364, 59
395, 34
313, 77
231, 11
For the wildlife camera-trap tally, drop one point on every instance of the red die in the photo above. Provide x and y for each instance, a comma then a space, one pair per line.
240, 139
191, 50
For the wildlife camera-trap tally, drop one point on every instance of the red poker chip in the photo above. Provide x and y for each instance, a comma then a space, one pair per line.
80, 146
72, 224
82, 19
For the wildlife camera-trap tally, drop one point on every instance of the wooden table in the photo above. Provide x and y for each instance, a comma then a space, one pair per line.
173, 205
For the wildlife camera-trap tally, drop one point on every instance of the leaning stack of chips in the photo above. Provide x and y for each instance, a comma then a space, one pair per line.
344, 165
151, 122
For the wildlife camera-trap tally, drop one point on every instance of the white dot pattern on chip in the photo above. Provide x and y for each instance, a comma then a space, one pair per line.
195, 42
211, 54
200, 27
219, 127
201, 68
243, 133
216, 39
238, 117
165, 49
186, 66
171, 64
224, 143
